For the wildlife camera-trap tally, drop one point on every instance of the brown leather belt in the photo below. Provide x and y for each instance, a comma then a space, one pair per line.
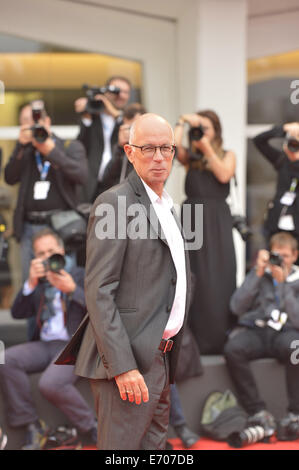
166, 345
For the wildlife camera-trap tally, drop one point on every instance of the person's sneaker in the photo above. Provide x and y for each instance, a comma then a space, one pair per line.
264, 419
90, 437
36, 436
187, 436
3, 440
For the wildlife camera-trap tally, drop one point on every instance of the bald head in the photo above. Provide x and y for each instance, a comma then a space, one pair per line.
148, 121
151, 150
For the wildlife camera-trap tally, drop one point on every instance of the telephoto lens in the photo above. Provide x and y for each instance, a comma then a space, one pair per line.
247, 436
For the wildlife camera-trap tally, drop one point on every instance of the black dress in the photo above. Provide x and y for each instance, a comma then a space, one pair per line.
213, 265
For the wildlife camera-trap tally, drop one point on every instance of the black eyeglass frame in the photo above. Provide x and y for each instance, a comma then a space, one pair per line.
155, 147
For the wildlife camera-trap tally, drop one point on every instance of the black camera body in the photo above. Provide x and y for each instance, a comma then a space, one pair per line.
288, 429
195, 134
94, 106
39, 132
240, 224
275, 259
54, 263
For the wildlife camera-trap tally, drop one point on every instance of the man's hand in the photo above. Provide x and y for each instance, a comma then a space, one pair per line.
25, 136
63, 281
108, 105
36, 271
279, 273
262, 262
44, 147
132, 383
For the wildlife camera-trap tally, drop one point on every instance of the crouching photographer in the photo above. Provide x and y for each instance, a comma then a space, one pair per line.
49, 171
54, 295
267, 307
283, 210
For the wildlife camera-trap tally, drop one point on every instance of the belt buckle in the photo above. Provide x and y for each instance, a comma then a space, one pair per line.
168, 342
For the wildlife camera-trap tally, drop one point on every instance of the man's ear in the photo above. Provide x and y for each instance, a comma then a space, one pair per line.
129, 152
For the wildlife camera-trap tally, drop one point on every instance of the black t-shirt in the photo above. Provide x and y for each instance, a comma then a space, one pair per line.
54, 199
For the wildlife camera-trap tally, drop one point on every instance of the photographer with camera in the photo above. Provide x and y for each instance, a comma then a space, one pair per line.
267, 307
119, 166
54, 295
49, 171
209, 171
283, 210
101, 116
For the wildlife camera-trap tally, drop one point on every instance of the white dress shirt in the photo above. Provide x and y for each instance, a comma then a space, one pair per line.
162, 207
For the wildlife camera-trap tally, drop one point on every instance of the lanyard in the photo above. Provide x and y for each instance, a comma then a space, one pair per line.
293, 185
276, 294
42, 168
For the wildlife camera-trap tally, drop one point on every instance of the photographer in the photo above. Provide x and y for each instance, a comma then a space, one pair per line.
267, 307
55, 297
283, 210
49, 171
209, 170
99, 128
119, 166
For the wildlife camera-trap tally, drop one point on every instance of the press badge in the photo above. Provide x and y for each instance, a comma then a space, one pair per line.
286, 222
288, 198
277, 320
41, 189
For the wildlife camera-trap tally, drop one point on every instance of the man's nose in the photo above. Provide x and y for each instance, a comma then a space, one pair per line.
158, 155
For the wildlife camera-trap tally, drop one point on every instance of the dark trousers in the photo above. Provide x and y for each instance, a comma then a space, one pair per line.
176, 416
127, 426
245, 345
56, 385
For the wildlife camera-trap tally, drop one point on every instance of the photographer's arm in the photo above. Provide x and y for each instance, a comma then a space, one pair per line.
14, 168
261, 141
181, 152
244, 297
71, 161
291, 302
223, 169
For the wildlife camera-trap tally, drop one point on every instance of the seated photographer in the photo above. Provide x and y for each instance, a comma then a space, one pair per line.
209, 170
283, 210
267, 307
55, 296
101, 117
49, 171
119, 166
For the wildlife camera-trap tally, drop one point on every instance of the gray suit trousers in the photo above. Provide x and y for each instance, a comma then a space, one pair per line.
127, 426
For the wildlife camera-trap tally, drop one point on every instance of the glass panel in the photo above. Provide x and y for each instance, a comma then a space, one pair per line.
34, 70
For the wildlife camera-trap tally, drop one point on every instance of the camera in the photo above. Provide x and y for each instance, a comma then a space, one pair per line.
292, 143
38, 111
239, 223
54, 263
275, 259
94, 106
195, 134
288, 428
249, 435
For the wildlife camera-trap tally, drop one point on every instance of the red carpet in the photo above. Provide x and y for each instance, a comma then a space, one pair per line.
207, 444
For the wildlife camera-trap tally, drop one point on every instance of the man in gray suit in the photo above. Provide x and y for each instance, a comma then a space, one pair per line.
137, 289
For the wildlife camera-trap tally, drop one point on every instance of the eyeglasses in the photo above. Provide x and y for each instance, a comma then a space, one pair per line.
149, 151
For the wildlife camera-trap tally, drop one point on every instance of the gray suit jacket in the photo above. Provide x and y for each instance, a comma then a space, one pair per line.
129, 287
